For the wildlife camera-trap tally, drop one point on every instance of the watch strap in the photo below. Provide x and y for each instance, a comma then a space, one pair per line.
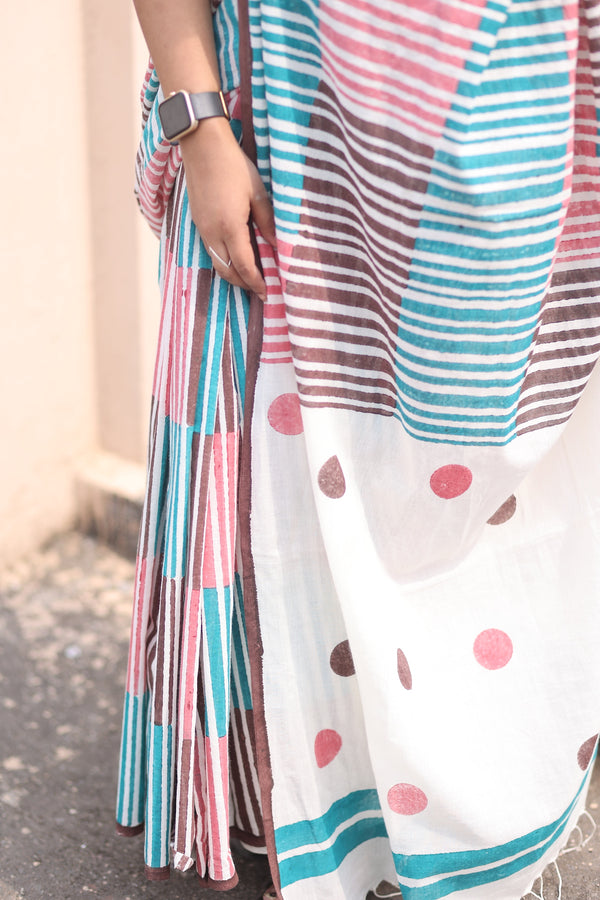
208, 105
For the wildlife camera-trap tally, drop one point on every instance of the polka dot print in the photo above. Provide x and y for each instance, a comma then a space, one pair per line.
404, 673
341, 660
504, 512
451, 481
284, 414
406, 799
493, 649
331, 479
586, 751
328, 744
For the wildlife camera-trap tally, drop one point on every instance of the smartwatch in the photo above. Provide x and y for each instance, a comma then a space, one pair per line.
181, 112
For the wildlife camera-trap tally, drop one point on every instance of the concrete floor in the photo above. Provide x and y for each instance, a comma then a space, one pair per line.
64, 624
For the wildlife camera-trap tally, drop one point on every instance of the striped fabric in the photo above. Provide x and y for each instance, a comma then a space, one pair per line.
188, 697
366, 624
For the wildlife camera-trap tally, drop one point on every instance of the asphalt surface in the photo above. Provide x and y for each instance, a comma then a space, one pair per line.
64, 625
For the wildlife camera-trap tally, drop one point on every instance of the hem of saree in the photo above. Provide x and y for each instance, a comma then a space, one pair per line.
227, 885
157, 874
129, 830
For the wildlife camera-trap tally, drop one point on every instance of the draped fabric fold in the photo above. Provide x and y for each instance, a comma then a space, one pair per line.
407, 688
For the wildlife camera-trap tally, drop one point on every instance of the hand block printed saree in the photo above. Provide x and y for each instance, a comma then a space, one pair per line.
367, 610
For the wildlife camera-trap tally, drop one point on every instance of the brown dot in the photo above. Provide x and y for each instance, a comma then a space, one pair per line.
341, 660
586, 751
331, 479
504, 512
404, 673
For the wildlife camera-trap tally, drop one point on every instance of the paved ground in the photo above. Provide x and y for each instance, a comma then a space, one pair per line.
64, 622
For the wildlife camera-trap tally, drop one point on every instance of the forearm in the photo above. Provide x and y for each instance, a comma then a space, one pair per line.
180, 38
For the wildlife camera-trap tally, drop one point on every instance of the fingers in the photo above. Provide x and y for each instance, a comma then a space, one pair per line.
244, 262
261, 210
234, 261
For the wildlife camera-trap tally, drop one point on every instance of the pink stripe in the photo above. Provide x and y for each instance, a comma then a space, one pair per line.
188, 688
219, 827
134, 664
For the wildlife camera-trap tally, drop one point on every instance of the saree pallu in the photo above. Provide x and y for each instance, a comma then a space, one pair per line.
372, 643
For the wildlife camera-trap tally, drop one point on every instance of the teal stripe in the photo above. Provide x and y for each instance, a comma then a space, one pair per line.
157, 839
468, 880
133, 765
320, 862
240, 650
217, 626
510, 156
430, 864
524, 85
162, 447
180, 440
459, 434
499, 197
517, 126
316, 831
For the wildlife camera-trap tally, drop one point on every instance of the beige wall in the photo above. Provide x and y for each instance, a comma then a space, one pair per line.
77, 264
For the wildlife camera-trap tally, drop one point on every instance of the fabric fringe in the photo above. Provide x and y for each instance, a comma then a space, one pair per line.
553, 878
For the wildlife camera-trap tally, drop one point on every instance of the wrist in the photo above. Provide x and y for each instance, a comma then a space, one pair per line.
209, 131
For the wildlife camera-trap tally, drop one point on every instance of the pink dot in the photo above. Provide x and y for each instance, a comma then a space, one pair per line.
406, 799
493, 649
328, 744
284, 414
451, 481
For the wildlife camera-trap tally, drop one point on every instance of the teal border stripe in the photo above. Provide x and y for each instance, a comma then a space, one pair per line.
428, 865
315, 831
320, 862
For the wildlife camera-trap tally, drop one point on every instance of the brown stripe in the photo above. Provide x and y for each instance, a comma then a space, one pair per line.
558, 311
248, 758
550, 409
374, 133
326, 404
181, 812
129, 831
354, 303
342, 358
386, 305
377, 338
173, 210
575, 276
165, 674
307, 374
538, 424
317, 390
162, 873
226, 420
237, 788
219, 885
202, 288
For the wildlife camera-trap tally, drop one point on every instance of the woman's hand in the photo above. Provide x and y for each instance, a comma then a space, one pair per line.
226, 193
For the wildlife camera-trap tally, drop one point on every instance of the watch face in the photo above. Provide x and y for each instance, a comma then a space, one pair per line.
174, 115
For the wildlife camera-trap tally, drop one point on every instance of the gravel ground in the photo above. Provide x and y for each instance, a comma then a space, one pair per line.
64, 623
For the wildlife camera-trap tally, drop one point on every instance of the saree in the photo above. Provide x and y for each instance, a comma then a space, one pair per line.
367, 611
